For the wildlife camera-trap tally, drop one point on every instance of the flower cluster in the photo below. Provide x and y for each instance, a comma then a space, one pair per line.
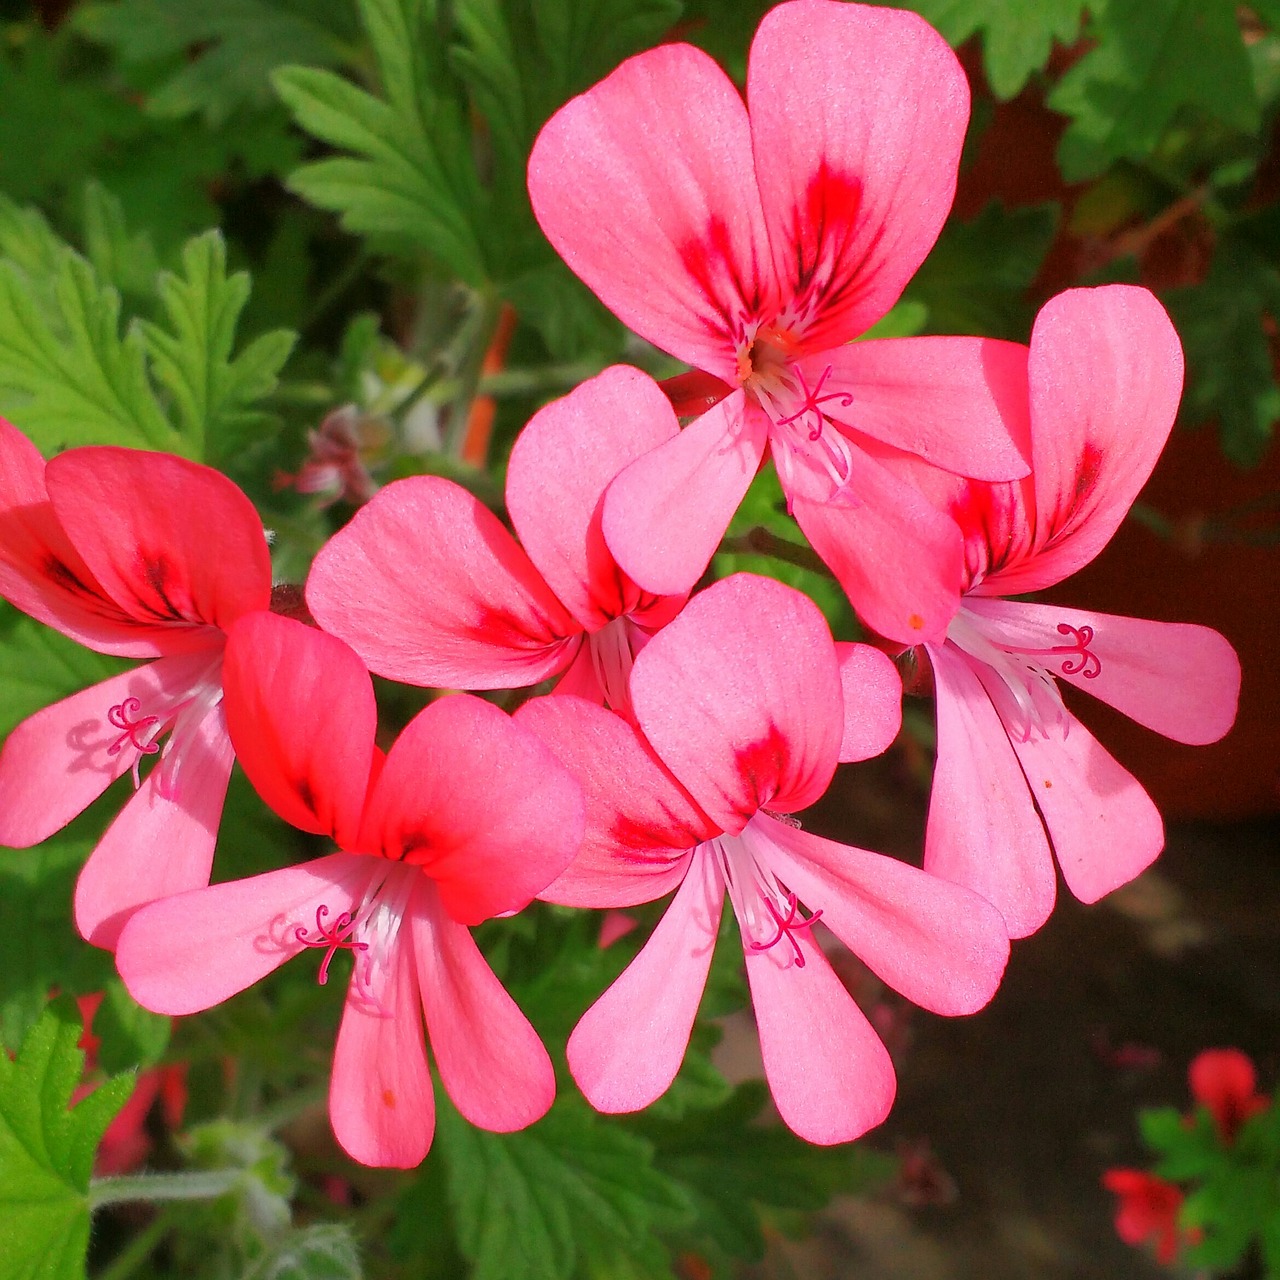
934, 475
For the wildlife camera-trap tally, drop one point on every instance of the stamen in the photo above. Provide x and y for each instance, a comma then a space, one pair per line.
119, 717
792, 924
812, 400
335, 937
1080, 660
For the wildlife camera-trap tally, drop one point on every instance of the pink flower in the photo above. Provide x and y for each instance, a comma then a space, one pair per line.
1224, 1080
754, 244
429, 588
740, 704
467, 817
1148, 1210
1018, 776
145, 556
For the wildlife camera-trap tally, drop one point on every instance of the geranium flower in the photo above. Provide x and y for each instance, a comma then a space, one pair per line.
1224, 1081
754, 244
467, 817
1017, 774
1148, 1210
146, 556
740, 705
429, 588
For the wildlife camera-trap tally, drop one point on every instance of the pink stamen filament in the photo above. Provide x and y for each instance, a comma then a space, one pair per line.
812, 400
1079, 659
119, 715
787, 927
331, 937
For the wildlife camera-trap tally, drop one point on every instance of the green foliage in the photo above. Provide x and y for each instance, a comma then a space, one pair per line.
323, 1252
47, 1150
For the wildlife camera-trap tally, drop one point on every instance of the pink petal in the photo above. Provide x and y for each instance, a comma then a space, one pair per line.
983, 830
301, 713
560, 466
191, 952
380, 1099
479, 803
629, 1045
828, 1071
428, 588
646, 188
897, 558
580, 678
958, 403
872, 699
1106, 376
490, 1059
857, 119
640, 822
741, 698
666, 512
161, 844
171, 541
940, 945
1181, 680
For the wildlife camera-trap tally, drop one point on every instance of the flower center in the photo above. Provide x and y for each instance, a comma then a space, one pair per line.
611, 660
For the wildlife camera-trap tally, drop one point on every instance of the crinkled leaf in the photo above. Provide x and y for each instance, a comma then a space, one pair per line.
326, 1251
47, 1150
1152, 60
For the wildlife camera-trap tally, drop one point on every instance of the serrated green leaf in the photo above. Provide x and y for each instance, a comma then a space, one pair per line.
572, 1196
192, 356
46, 1151
1017, 35
123, 259
130, 1037
323, 1252
1153, 59
1223, 323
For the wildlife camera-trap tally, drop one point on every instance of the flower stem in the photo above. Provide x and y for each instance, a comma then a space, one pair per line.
154, 1187
760, 541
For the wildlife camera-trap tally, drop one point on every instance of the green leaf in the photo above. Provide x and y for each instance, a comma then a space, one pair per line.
122, 259
572, 1196
1224, 324
192, 356
46, 1151
1153, 60
1017, 35
130, 1036
323, 1252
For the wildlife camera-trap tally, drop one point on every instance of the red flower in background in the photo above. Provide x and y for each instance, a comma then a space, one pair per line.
1148, 1210
1224, 1080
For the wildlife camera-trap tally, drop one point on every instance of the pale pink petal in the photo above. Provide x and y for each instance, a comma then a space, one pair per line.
666, 512
640, 822
170, 540
301, 713
428, 588
897, 557
560, 466
580, 678
828, 1071
380, 1101
188, 953
645, 186
857, 119
1106, 376
629, 1045
479, 803
58, 761
872, 691
958, 403
740, 696
1181, 680
161, 844
490, 1059
983, 829
937, 943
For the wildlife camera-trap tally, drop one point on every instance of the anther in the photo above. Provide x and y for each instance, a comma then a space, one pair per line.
787, 927
1078, 658
119, 718
812, 400
334, 937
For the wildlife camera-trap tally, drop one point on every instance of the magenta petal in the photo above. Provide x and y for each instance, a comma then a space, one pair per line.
828, 1071
741, 698
188, 953
983, 830
666, 512
629, 1045
645, 186
490, 1059
958, 403
1180, 680
428, 588
380, 1101
640, 822
479, 803
560, 466
857, 119
161, 844
897, 558
872, 701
